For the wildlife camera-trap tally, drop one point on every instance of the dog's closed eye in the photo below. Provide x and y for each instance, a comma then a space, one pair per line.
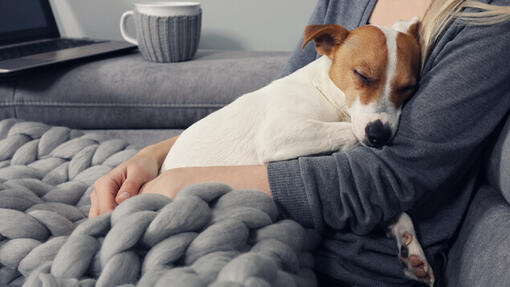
365, 79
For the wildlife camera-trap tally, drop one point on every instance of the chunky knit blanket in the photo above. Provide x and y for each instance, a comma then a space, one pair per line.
208, 236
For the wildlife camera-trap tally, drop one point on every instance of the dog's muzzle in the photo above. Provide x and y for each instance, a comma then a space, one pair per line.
377, 134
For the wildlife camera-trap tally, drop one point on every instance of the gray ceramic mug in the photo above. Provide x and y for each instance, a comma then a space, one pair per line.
165, 31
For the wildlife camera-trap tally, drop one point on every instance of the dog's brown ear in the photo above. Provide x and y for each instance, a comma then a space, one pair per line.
414, 30
411, 27
326, 37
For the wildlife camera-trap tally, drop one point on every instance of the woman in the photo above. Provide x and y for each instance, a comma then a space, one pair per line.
430, 170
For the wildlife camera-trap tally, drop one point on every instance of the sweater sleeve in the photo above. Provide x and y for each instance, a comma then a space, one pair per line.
463, 96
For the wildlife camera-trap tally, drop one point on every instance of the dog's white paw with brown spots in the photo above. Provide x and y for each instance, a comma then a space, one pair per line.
410, 253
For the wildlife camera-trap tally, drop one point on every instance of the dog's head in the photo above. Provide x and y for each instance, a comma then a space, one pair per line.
377, 68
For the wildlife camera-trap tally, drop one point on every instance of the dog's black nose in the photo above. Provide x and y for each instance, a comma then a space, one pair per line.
377, 134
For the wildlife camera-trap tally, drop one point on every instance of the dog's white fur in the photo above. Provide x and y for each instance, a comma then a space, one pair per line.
301, 114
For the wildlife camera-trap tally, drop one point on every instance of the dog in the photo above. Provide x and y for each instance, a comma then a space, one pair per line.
353, 94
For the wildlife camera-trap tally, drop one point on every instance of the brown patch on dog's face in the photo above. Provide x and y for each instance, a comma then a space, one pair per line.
408, 63
359, 65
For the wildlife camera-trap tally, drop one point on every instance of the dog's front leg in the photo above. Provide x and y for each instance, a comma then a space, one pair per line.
410, 252
304, 138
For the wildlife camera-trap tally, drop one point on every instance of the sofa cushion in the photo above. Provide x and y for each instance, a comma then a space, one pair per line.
137, 138
481, 253
128, 92
7, 98
498, 165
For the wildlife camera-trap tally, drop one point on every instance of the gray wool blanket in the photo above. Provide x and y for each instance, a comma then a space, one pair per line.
209, 235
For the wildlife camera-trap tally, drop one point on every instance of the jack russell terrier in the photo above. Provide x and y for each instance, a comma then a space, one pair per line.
352, 94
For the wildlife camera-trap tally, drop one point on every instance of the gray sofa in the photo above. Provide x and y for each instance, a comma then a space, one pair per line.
126, 97
130, 98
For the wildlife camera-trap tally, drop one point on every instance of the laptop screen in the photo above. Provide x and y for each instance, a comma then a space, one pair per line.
26, 20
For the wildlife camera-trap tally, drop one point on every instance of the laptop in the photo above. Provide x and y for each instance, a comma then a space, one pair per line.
29, 38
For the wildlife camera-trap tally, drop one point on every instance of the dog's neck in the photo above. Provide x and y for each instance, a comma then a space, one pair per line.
327, 89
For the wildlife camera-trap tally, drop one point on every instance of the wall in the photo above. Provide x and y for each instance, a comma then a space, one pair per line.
261, 25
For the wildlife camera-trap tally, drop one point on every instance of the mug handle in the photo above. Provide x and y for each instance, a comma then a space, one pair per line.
123, 27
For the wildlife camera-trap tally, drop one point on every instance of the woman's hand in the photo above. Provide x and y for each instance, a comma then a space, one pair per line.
122, 183
125, 180
172, 181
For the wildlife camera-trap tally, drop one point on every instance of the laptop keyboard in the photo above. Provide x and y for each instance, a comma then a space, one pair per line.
41, 47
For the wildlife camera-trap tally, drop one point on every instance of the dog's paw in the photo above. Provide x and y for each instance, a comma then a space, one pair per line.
410, 253
413, 259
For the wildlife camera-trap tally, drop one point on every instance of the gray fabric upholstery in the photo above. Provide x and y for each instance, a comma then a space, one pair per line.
481, 253
137, 138
208, 235
129, 92
7, 89
498, 164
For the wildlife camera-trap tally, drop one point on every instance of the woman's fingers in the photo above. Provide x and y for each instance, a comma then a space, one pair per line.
140, 170
105, 189
122, 183
93, 212
131, 186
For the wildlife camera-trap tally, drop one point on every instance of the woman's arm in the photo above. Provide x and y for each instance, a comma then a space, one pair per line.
126, 179
172, 181
463, 96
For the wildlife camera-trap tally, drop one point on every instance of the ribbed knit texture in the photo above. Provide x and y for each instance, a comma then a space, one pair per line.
288, 192
168, 39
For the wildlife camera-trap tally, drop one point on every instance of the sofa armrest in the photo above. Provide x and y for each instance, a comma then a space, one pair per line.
128, 92
497, 170
481, 254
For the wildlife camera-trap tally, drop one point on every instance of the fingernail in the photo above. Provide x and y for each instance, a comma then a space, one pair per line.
124, 195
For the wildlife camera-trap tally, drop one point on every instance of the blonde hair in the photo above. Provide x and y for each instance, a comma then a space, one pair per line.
442, 12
